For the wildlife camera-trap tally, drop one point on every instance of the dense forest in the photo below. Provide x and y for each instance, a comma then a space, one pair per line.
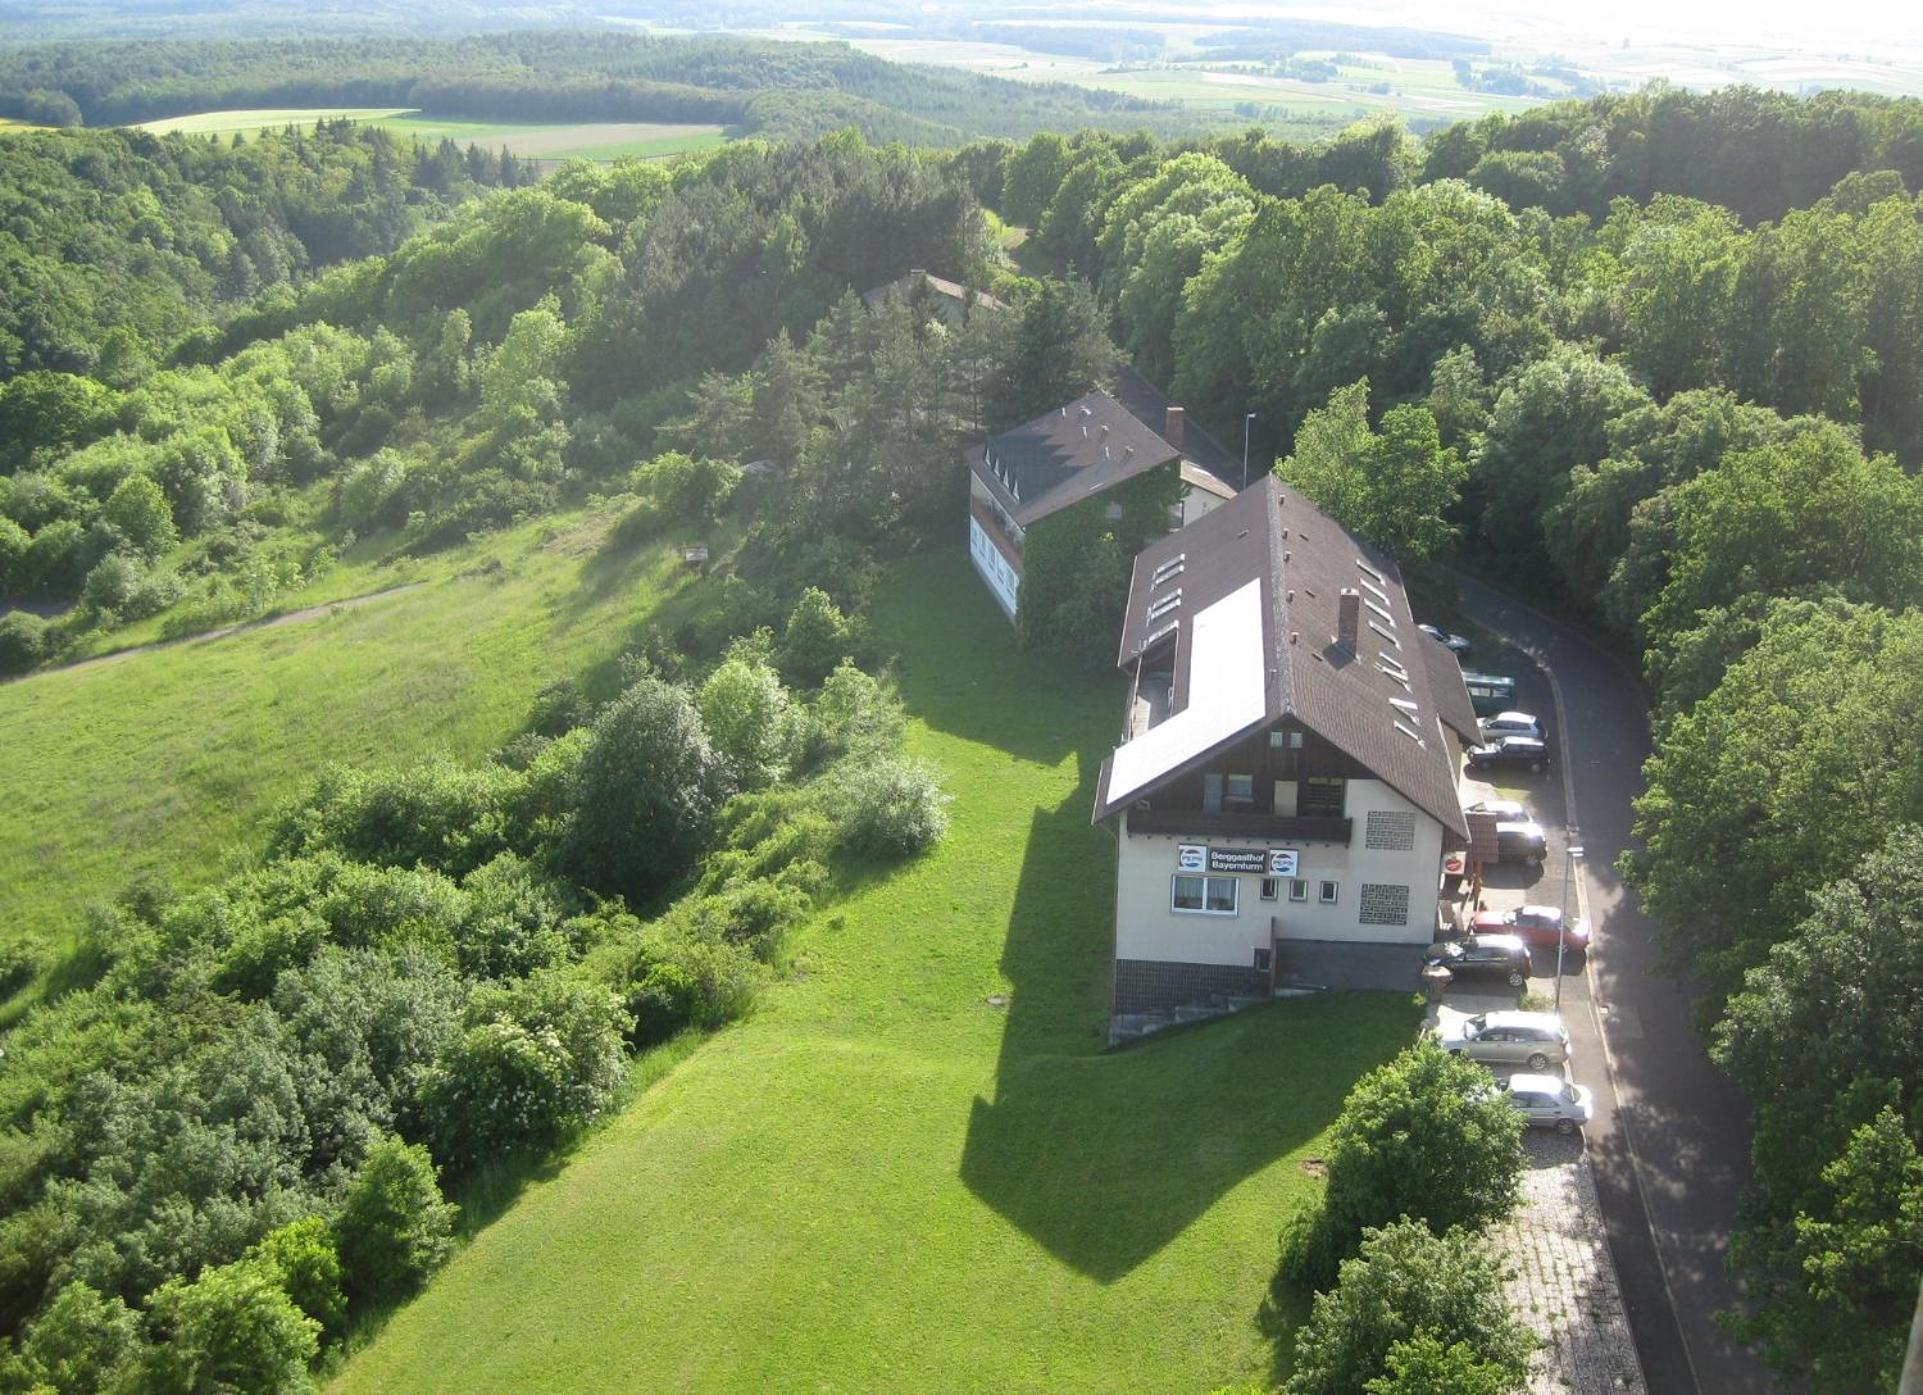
775, 88
1655, 359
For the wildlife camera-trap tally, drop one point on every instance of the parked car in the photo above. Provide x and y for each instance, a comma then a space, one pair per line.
1550, 1102
1505, 810
1454, 643
1489, 693
1482, 956
1521, 841
1536, 925
1510, 724
1537, 1040
1524, 752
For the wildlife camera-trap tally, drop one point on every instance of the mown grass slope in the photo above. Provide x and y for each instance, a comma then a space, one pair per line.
168, 761
915, 1168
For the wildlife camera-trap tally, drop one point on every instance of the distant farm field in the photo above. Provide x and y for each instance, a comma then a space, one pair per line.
590, 140
247, 122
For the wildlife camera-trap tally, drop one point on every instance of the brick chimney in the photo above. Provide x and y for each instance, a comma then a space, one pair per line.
1348, 619
1172, 426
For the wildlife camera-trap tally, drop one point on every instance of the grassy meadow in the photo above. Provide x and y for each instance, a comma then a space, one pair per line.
916, 1167
166, 762
591, 140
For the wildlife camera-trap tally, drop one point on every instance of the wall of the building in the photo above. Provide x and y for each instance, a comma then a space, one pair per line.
1371, 884
1003, 580
1197, 503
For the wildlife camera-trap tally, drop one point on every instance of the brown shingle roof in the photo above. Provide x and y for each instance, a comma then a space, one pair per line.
1065, 455
940, 285
1303, 560
1447, 688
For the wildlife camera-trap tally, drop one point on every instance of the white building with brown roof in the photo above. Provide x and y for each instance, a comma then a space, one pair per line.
1290, 753
1065, 457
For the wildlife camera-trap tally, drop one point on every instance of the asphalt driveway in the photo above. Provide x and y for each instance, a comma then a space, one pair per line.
1670, 1141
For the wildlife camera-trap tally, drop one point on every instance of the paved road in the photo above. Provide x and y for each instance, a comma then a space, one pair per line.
1670, 1143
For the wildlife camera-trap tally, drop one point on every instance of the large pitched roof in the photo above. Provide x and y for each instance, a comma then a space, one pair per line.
1065, 455
1376, 705
1448, 689
1149, 405
940, 285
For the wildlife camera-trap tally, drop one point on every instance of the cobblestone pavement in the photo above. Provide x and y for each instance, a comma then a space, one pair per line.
1562, 1281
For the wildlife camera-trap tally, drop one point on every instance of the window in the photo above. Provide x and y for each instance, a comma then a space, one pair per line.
1203, 895
1285, 741
1271, 888
1331, 892
1211, 794
1241, 790
1321, 797
1298, 889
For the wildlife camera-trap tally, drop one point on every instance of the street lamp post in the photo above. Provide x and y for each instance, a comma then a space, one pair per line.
1572, 870
1247, 421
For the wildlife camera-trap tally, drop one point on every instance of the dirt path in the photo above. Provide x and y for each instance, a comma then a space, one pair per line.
265, 623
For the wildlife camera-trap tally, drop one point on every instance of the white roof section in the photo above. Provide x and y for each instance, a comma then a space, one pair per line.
1226, 640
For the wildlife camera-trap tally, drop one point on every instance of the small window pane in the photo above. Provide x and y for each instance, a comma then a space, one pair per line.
1241, 789
1187, 895
1330, 892
1271, 888
1221, 894
1298, 889
1211, 794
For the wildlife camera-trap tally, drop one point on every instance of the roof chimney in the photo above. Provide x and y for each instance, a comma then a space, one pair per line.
1348, 619
1172, 426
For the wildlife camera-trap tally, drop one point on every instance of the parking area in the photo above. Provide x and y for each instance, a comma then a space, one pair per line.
1562, 1277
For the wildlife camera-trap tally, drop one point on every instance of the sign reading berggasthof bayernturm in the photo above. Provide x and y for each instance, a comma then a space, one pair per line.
1253, 862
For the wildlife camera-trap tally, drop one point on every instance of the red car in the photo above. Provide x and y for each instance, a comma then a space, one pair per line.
1538, 925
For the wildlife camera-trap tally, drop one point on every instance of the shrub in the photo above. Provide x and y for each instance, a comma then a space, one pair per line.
539, 1057
394, 1229
669, 980
84, 1343
233, 1328
371, 496
645, 792
1423, 1136
889, 807
751, 720
513, 926
23, 641
303, 1259
816, 639
1406, 1285
854, 712
438, 812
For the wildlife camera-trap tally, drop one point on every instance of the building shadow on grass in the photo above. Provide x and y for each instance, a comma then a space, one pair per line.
1102, 1156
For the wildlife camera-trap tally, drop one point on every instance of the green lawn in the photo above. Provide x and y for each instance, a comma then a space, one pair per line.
883, 1181
168, 761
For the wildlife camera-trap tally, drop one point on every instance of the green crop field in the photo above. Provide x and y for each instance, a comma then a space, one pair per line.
167, 761
223, 123
589, 140
916, 1167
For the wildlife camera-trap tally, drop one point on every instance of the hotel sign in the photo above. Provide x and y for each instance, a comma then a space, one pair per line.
1252, 862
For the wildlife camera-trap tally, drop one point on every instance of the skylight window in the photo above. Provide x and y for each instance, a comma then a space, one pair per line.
1374, 590
1169, 569
1162, 606
1158, 636
1387, 618
1405, 704
1371, 571
1389, 635
1411, 733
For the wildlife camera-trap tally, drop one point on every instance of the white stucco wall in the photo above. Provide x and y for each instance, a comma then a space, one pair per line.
1197, 502
1004, 582
1147, 927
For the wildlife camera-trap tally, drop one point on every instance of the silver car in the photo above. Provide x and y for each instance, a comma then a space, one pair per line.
1550, 1102
1537, 1040
1510, 724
